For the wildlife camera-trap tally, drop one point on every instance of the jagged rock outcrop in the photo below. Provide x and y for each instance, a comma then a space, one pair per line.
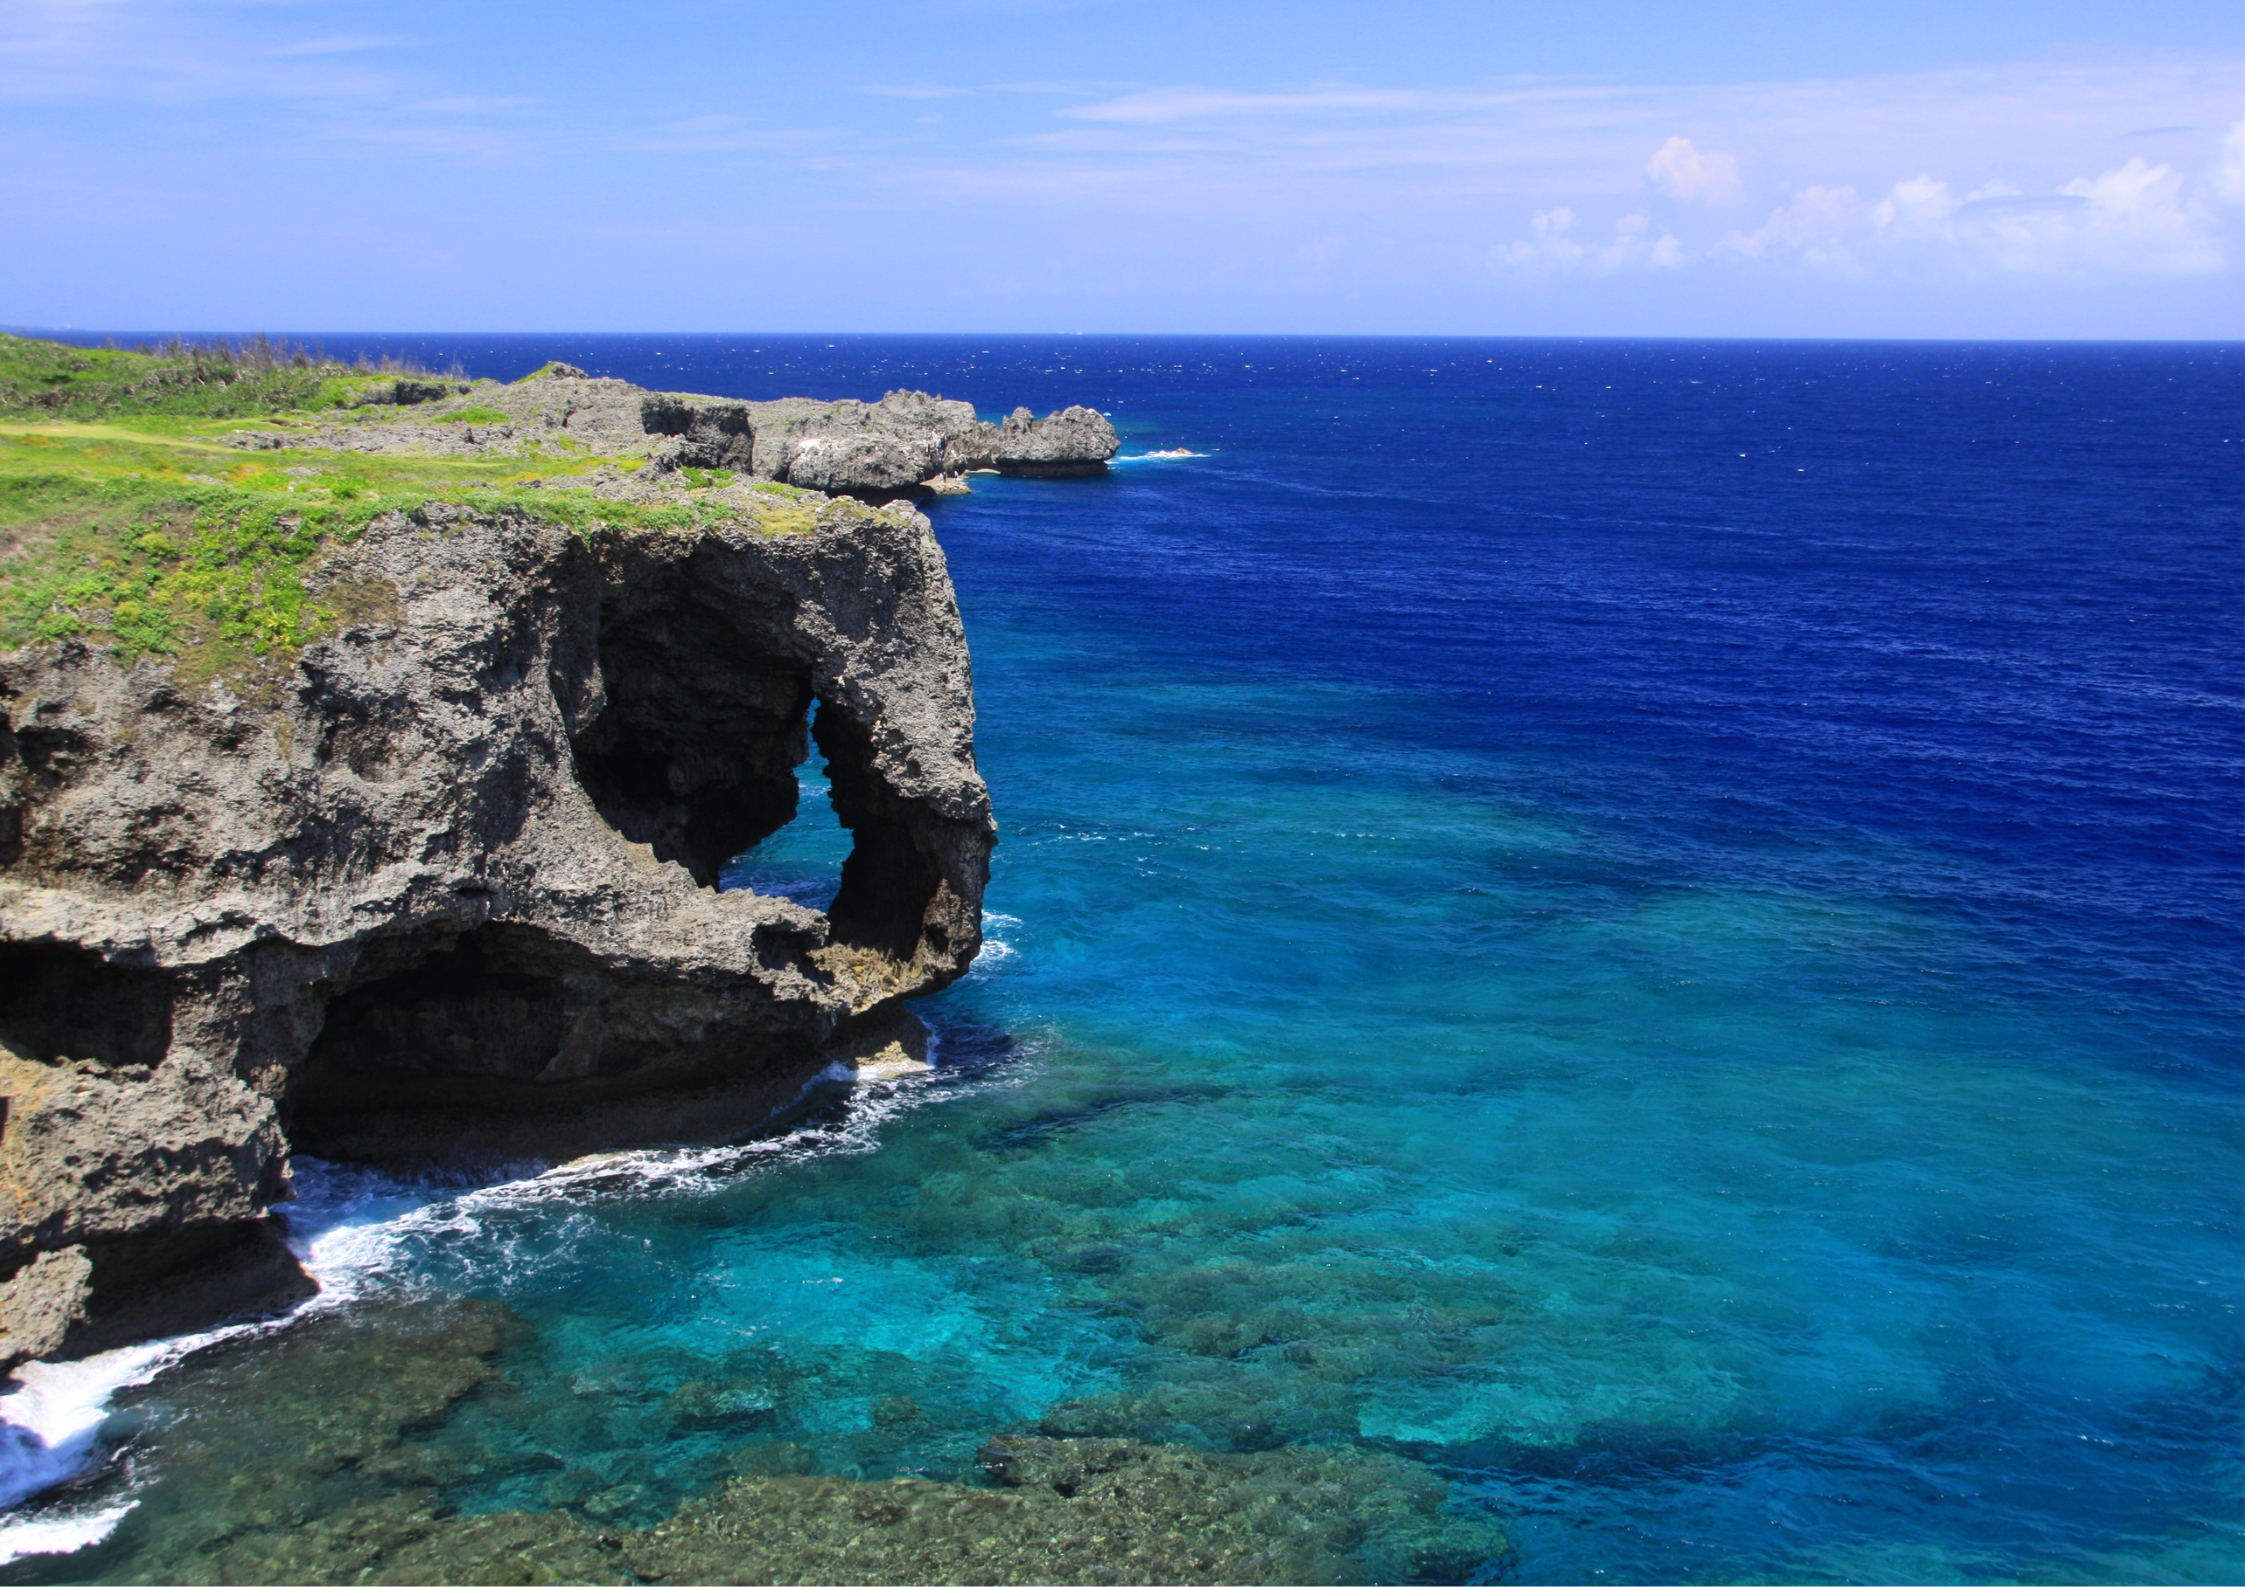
1072, 441
445, 886
908, 439
907, 444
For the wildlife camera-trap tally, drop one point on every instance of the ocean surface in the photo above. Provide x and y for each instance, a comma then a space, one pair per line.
1654, 928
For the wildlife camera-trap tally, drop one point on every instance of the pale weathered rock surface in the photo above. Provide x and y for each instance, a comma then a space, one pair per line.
446, 886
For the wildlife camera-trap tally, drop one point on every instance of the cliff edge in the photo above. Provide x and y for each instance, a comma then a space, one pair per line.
366, 774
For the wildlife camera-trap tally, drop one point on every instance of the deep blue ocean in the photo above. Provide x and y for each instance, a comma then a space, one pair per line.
1657, 927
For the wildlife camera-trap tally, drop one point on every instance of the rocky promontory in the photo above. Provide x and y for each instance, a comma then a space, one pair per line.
375, 806
907, 444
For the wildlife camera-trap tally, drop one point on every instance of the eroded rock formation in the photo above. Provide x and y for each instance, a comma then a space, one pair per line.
446, 886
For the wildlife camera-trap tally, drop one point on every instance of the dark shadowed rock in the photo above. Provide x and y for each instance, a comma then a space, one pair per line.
43, 1302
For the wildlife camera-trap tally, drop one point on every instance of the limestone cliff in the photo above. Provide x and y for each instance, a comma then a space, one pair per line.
444, 883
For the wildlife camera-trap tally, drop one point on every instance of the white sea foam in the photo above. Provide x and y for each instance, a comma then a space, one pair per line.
343, 1221
357, 1231
50, 1426
995, 949
61, 1533
50, 1420
1156, 457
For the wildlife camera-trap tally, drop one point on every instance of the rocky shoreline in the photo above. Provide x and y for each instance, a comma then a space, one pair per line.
442, 883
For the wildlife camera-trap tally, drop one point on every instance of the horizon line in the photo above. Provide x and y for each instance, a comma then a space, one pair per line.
70, 333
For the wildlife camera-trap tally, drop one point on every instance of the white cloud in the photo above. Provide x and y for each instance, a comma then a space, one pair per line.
1553, 248
1681, 171
1549, 246
2229, 176
1814, 225
1918, 207
2130, 220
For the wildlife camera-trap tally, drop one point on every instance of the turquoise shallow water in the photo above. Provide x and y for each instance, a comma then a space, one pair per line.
1700, 1003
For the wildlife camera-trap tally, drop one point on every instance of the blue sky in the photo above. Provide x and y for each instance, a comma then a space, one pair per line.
1601, 167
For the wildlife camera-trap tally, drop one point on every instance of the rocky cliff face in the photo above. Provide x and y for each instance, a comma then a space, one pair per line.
446, 885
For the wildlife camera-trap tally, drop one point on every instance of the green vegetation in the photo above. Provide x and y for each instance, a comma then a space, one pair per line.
222, 380
473, 416
125, 521
153, 565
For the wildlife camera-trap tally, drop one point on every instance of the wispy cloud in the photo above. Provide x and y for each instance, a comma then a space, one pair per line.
915, 91
344, 44
454, 143
473, 105
329, 90
1694, 141
726, 135
1161, 106
170, 52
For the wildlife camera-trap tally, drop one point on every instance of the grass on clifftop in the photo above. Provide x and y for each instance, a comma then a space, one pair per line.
217, 380
125, 523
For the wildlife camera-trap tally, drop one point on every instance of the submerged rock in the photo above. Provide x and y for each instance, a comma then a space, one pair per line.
1079, 1511
368, 1447
1111, 1513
